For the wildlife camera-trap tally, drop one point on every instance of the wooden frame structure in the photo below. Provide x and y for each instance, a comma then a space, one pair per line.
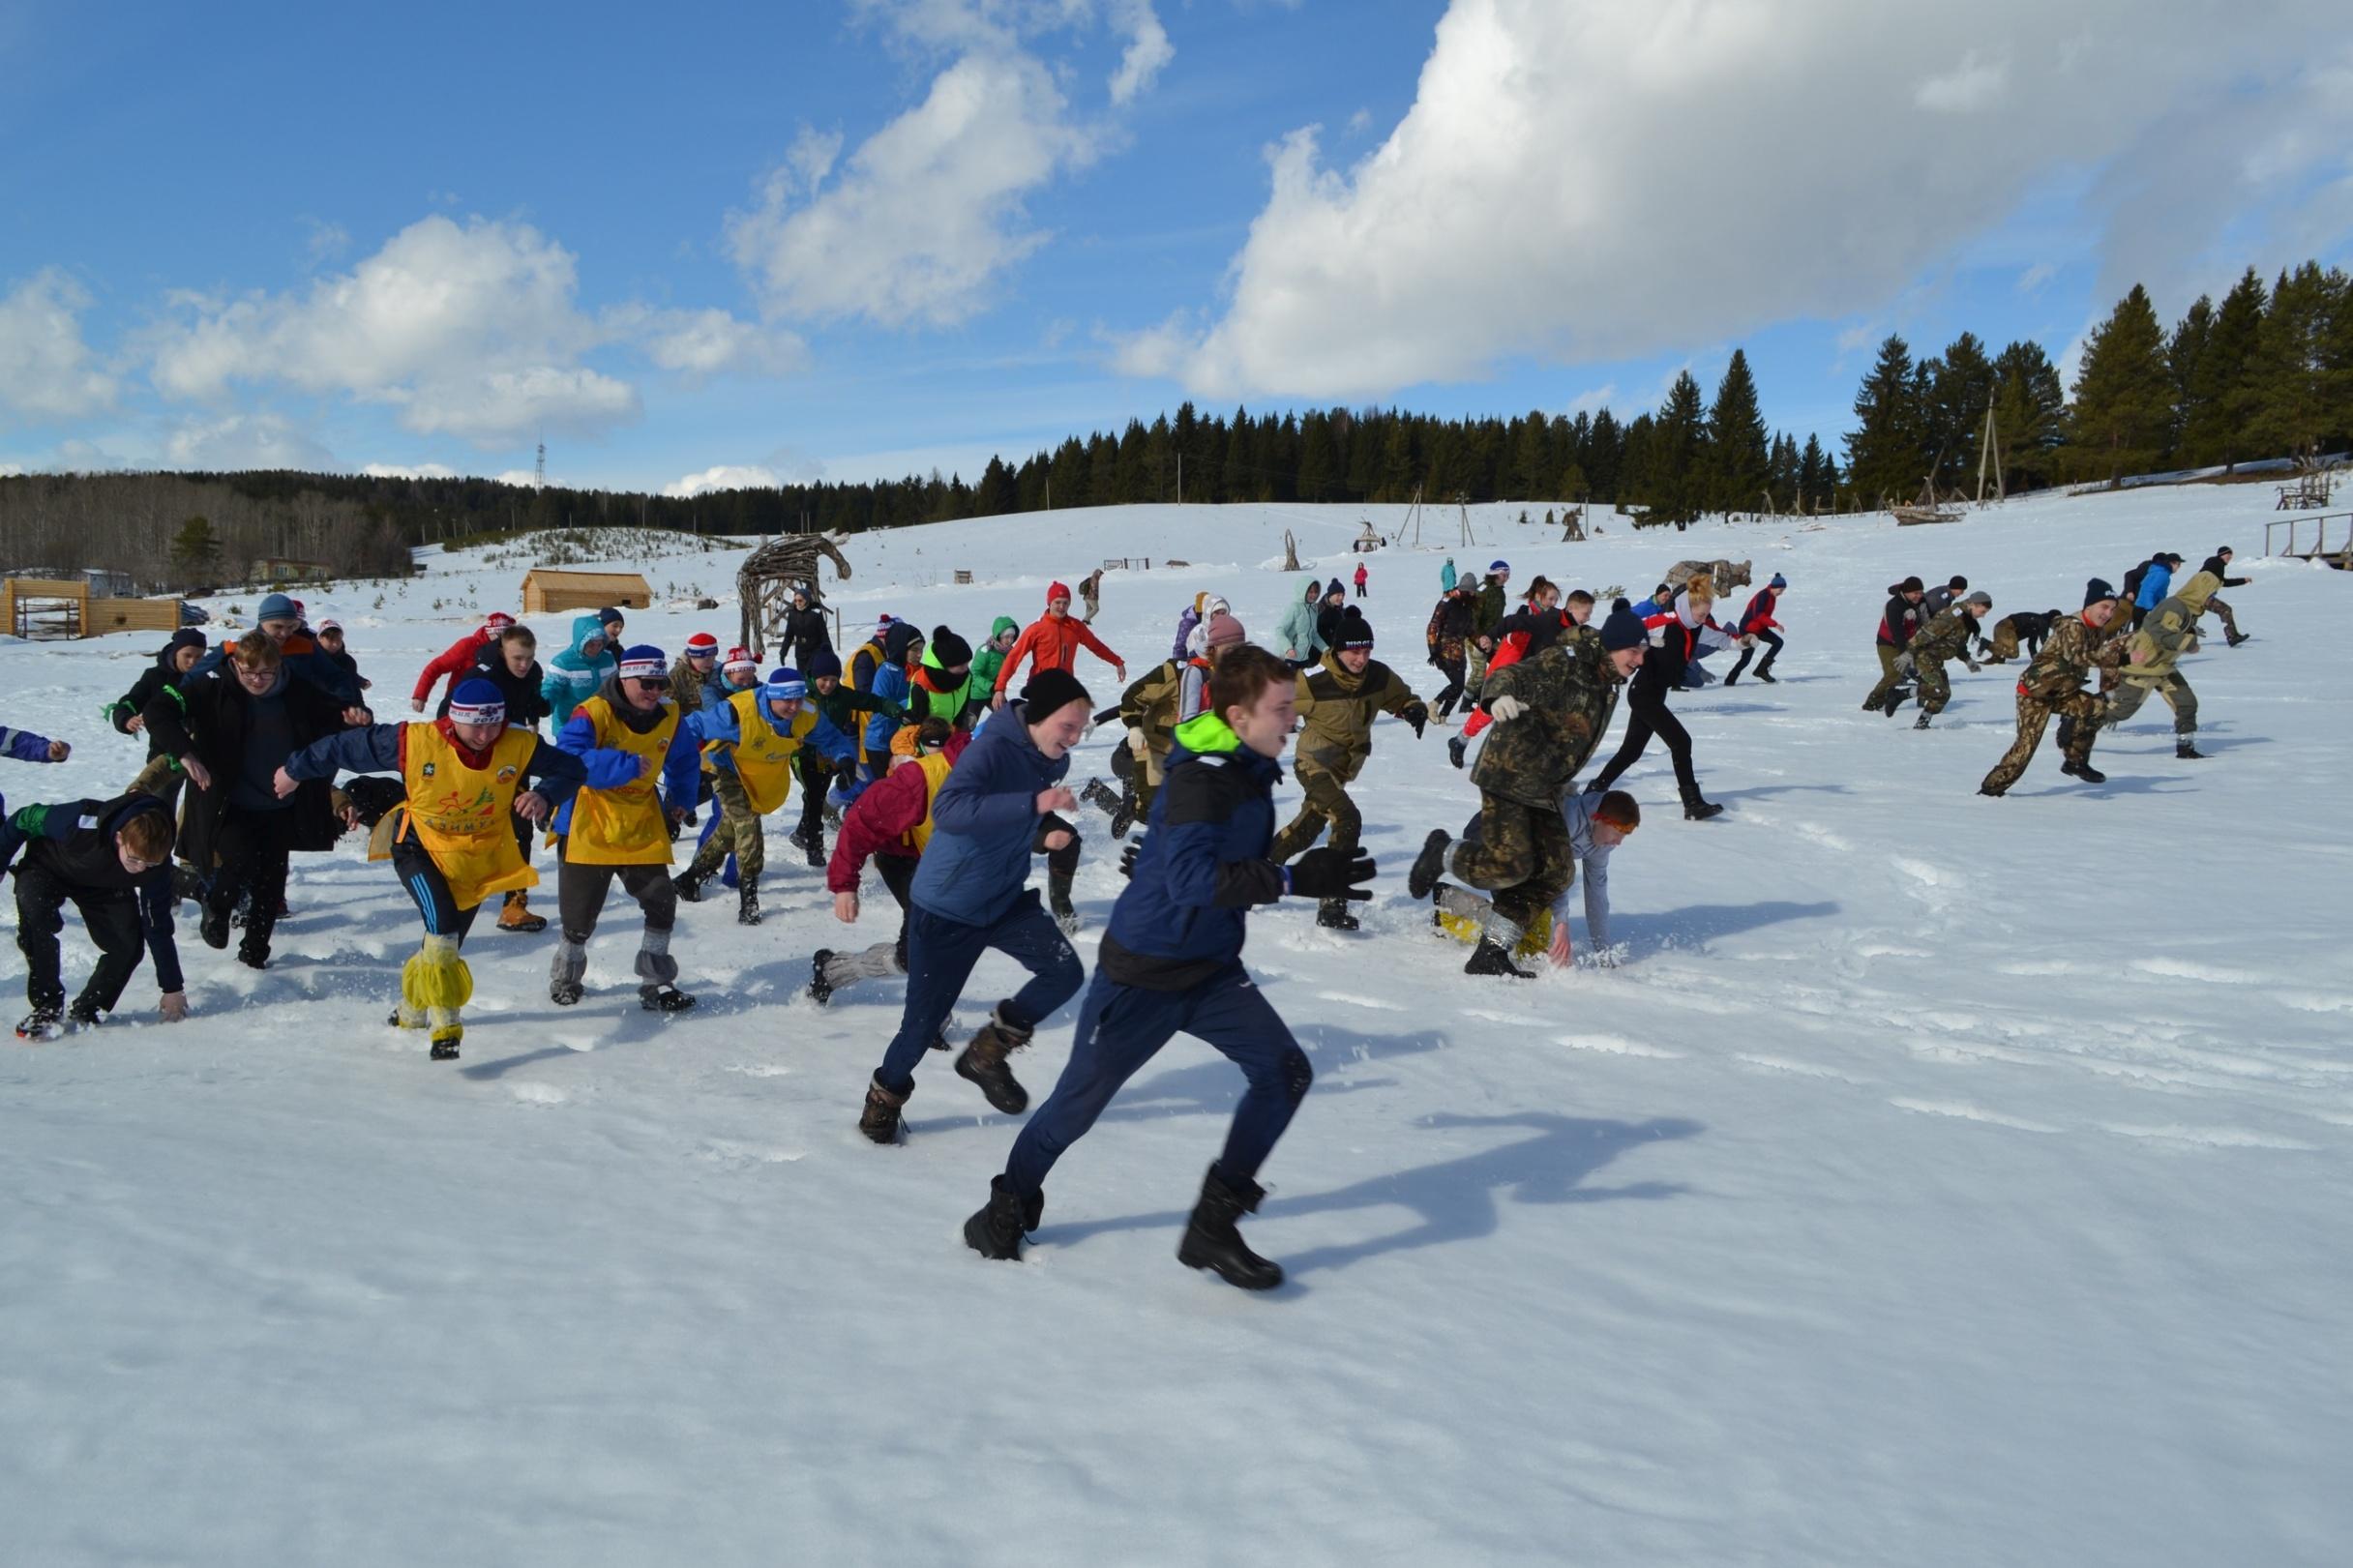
2317, 548
61, 607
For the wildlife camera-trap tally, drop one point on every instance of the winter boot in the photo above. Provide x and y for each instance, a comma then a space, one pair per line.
213, 928
664, 999
747, 903
1896, 699
253, 954
688, 884
1493, 957
996, 1231
1102, 797
1767, 677
983, 1062
1212, 1241
879, 1120
820, 989
2187, 750
564, 972
1333, 915
2084, 771
1733, 679
2234, 640
516, 915
186, 884
1057, 899
445, 1040
1921, 723
1457, 748
1696, 810
82, 1015
41, 1024
1428, 866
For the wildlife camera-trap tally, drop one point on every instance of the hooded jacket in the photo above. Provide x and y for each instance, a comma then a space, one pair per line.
2156, 586
988, 659
1296, 633
1446, 576
1180, 919
157, 679
1338, 708
1568, 695
2169, 631
984, 820
572, 677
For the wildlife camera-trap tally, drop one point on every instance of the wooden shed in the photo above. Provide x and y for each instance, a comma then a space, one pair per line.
547, 591
64, 608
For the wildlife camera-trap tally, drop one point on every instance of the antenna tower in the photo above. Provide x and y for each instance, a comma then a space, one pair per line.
539, 475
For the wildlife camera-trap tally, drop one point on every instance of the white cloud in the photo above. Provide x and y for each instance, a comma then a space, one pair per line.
1148, 51
12, 470
724, 478
47, 371
523, 476
243, 441
405, 470
2034, 277
1583, 179
1593, 400
699, 343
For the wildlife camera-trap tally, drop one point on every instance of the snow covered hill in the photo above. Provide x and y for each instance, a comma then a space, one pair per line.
1944, 1181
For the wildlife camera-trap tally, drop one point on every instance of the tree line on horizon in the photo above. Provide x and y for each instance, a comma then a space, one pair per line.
2266, 374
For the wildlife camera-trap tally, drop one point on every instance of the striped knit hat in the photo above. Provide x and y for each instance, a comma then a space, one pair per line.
646, 663
783, 686
703, 645
477, 701
740, 658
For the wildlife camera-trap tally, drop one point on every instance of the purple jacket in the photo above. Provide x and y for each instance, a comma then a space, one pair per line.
23, 745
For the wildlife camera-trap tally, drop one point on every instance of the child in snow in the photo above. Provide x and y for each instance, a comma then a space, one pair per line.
111, 860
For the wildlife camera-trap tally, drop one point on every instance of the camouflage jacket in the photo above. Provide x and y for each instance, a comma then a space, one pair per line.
1569, 691
1948, 636
2072, 651
1338, 708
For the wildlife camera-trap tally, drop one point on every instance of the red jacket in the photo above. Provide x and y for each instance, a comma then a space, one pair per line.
1052, 644
880, 819
454, 661
1758, 617
1361, 573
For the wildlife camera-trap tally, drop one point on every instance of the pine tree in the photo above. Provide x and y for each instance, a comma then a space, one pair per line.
994, 495
1740, 464
194, 549
1815, 478
2030, 416
1960, 385
1884, 454
1783, 485
2123, 392
1605, 455
1636, 469
2298, 382
2218, 399
1397, 469
1679, 453
2191, 336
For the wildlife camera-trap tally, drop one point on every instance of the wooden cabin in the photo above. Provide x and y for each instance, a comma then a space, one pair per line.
548, 591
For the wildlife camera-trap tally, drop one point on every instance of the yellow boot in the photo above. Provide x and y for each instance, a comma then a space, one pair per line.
438, 983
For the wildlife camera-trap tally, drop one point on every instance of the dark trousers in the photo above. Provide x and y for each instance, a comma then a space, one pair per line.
253, 847
1453, 671
1121, 1028
1648, 716
423, 883
581, 890
1772, 651
897, 874
817, 777
940, 955
113, 919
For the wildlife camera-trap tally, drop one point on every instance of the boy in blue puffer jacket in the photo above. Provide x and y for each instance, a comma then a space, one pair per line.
998, 806
575, 675
1172, 962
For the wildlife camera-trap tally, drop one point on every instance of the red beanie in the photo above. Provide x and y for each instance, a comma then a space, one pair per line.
702, 643
1055, 591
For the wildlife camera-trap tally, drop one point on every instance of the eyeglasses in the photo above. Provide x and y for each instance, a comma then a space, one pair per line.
132, 863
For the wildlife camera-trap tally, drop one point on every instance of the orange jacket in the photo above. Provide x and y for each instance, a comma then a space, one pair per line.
1052, 644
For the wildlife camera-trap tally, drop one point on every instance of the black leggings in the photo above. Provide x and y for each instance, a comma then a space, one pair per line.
424, 882
1648, 716
1455, 675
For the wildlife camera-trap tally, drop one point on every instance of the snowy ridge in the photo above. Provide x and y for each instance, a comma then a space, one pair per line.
1944, 1181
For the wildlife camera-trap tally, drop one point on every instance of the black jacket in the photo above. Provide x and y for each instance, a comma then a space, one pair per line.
806, 630
526, 706
210, 718
74, 842
2219, 567
157, 679
1897, 623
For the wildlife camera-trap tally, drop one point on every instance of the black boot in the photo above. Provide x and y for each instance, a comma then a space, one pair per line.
821, 990
2234, 640
41, 1024
1333, 915
2084, 771
983, 1062
1696, 810
747, 903
1428, 866
1212, 1240
2187, 750
1921, 723
213, 928
1897, 698
1057, 899
1733, 679
664, 999
1767, 676
1456, 747
688, 885
879, 1120
809, 838
996, 1231
1490, 957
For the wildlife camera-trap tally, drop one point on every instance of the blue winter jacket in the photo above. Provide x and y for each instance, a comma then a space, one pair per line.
718, 723
2154, 585
572, 677
983, 821
610, 767
1202, 867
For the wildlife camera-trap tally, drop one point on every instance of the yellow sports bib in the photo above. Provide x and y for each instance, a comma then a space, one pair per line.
763, 758
624, 826
461, 814
935, 771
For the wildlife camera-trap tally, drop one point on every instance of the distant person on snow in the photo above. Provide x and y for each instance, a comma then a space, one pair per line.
1295, 635
1898, 623
1053, 642
1363, 577
807, 629
2025, 627
1445, 577
2219, 563
1946, 636
455, 660
1757, 622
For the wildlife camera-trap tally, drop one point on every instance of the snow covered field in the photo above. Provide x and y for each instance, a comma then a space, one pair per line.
1945, 1180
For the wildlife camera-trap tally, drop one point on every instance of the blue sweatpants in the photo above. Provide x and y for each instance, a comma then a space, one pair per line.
1121, 1028
941, 953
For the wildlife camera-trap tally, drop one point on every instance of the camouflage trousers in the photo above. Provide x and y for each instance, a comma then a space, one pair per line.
161, 780
1935, 690
1888, 676
1326, 805
2230, 622
2176, 691
2083, 708
1523, 858
2005, 643
740, 829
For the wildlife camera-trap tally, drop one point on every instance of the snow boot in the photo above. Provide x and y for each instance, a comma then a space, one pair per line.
1428, 866
1333, 915
253, 954
688, 885
1767, 677
1102, 797
810, 841
664, 999
2084, 771
747, 903
1696, 810
186, 884
879, 1120
1212, 1240
445, 1042
213, 928
1990, 791
2187, 750
41, 1024
983, 1062
1057, 899
996, 1231
516, 915
1457, 748
564, 972
82, 1016
2234, 640
1733, 679
1896, 699
1921, 723
1492, 957
820, 989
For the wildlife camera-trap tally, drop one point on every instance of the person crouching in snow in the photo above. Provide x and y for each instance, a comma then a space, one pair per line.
1550, 712
1757, 623
618, 825
1947, 635
971, 894
468, 775
1597, 824
751, 747
111, 860
1171, 963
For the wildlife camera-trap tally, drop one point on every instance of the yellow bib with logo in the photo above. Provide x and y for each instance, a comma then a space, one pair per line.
624, 826
935, 768
763, 758
463, 814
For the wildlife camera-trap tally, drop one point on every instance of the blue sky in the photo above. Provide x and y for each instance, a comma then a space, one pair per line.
850, 239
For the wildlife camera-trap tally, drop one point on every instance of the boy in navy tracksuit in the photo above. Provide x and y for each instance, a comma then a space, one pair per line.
1172, 962
110, 859
971, 894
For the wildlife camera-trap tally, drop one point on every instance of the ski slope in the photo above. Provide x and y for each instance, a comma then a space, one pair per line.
1942, 1180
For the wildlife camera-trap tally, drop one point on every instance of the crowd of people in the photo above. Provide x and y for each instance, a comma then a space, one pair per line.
945, 768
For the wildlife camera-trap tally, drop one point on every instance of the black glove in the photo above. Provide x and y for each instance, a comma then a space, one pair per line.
1332, 873
1127, 858
1416, 716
